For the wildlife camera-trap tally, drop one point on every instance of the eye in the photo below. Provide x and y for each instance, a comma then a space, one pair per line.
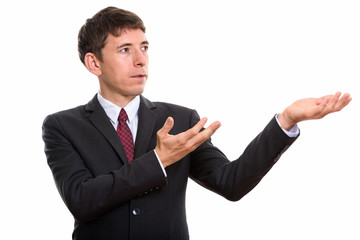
124, 50
144, 48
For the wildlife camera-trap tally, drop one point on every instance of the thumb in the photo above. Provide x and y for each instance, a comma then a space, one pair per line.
168, 125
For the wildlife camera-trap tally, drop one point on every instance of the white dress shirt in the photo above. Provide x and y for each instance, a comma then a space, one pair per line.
113, 111
132, 110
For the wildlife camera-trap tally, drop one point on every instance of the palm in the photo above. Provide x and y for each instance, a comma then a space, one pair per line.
307, 108
313, 108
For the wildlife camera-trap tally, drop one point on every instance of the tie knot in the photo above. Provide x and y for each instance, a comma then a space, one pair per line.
123, 116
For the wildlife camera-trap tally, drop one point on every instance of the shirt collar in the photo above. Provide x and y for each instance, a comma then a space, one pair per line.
113, 111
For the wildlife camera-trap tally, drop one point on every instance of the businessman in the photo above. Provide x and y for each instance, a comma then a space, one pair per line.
121, 162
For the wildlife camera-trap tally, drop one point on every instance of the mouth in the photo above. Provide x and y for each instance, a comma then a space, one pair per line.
139, 76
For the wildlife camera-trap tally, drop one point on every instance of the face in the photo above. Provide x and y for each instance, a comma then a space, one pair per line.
123, 70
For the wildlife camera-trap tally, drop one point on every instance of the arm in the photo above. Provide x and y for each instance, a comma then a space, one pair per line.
88, 196
234, 179
171, 148
211, 169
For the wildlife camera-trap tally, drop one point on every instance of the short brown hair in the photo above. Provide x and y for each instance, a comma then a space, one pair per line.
111, 20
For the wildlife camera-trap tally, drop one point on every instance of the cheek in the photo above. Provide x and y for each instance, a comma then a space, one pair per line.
121, 74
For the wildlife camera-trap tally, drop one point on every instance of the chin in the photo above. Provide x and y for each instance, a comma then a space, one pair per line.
138, 91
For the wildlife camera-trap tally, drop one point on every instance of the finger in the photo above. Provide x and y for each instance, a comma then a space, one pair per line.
194, 130
334, 99
336, 103
322, 103
329, 104
168, 125
323, 100
343, 102
201, 137
210, 130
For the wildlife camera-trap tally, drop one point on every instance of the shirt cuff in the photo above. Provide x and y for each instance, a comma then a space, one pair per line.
162, 167
294, 130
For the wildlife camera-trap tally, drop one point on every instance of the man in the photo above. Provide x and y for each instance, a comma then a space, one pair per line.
121, 162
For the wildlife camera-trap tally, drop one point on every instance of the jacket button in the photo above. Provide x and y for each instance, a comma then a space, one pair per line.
136, 212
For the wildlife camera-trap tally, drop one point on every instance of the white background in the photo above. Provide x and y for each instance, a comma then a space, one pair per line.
257, 56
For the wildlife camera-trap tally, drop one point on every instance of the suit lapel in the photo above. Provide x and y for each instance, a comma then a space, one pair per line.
147, 120
100, 120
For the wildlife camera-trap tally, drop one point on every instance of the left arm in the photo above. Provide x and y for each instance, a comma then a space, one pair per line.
211, 169
234, 179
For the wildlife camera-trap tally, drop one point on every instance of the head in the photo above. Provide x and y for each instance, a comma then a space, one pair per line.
111, 20
112, 45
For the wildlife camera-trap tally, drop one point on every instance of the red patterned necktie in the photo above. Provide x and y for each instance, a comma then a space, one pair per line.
125, 135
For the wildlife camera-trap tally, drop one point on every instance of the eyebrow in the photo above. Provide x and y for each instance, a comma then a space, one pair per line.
130, 44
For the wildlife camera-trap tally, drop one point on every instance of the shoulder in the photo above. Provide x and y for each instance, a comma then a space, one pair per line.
76, 113
170, 109
72, 113
163, 106
64, 122
73, 117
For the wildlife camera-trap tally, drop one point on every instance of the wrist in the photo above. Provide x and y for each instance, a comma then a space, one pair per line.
161, 157
285, 121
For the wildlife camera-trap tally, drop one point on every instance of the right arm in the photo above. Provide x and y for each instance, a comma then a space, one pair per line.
88, 196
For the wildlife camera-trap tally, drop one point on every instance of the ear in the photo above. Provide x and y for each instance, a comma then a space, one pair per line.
92, 64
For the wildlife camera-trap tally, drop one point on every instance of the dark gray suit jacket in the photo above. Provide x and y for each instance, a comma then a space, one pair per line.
112, 199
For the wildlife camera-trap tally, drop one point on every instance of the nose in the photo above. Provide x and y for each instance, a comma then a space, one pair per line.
140, 58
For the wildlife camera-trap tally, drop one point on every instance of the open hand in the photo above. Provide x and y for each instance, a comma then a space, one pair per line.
172, 148
312, 108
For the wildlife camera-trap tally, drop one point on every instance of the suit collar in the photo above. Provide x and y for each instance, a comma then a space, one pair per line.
146, 125
94, 103
113, 111
101, 121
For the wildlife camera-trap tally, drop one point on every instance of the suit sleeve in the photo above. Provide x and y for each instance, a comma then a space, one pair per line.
234, 179
88, 196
